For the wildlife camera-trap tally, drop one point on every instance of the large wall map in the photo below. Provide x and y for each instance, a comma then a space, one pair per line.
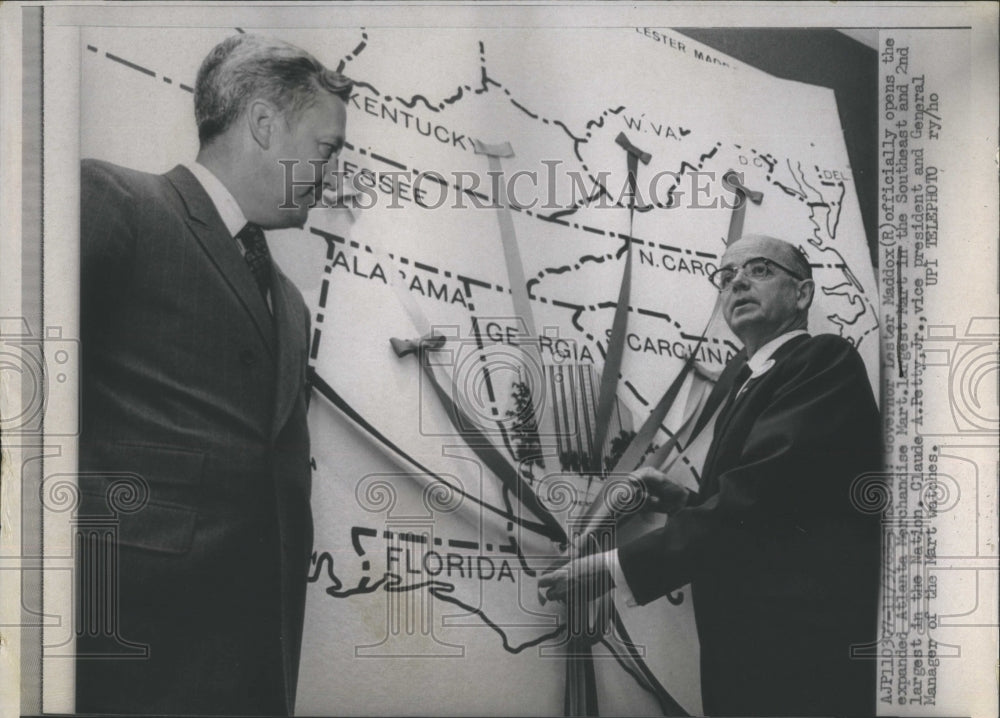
487, 171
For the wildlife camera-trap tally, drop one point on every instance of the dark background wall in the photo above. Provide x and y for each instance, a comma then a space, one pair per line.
820, 57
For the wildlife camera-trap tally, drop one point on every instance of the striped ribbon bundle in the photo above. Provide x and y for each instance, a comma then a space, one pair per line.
587, 419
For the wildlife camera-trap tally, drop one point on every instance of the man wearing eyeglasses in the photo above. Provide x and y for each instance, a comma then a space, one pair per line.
782, 562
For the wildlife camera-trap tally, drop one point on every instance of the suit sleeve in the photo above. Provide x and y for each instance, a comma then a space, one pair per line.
107, 232
819, 429
305, 369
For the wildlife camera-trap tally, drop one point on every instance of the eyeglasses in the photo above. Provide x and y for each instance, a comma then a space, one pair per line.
755, 268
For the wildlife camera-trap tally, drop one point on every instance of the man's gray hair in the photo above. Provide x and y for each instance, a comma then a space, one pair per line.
246, 67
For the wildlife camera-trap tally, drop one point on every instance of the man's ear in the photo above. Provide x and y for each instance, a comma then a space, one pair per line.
262, 117
804, 294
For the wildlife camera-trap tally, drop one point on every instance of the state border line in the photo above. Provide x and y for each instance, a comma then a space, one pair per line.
639, 241
547, 218
436, 177
332, 238
767, 157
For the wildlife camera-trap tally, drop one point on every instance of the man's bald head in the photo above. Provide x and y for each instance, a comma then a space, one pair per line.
779, 250
766, 289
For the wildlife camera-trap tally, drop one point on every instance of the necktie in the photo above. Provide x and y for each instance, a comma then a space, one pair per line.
739, 383
721, 420
744, 378
256, 254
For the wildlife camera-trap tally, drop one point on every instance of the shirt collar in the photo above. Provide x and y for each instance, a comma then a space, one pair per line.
225, 204
761, 361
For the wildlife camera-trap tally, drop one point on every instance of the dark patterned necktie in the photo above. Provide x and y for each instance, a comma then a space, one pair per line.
257, 257
742, 377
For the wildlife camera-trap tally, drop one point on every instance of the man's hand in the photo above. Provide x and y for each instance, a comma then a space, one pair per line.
585, 577
662, 494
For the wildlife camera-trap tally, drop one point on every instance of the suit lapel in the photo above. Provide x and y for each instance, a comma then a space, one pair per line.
753, 384
721, 394
737, 391
206, 225
720, 391
291, 336
740, 403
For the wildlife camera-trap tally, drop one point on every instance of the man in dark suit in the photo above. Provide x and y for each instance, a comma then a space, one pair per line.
781, 555
195, 472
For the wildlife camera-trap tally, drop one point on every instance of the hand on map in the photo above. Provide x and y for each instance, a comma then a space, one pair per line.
586, 577
662, 494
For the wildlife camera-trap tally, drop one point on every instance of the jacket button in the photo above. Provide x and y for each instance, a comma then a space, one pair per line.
247, 358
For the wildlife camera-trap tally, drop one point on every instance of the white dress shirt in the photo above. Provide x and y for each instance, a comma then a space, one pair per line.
225, 204
763, 355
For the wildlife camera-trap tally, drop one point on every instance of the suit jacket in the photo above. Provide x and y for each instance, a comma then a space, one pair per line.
782, 557
194, 458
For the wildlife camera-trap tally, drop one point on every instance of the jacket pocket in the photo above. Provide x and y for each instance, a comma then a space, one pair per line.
144, 493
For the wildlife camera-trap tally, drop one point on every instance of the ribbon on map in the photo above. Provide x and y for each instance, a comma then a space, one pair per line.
508, 474
581, 691
599, 511
734, 182
543, 423
619, 324
599, 508
633, 664
581, 694
476, 440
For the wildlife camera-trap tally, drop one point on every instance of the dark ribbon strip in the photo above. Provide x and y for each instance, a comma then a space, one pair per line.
719, 392
646, 434
577, 679
659, 457
479, 443
644, 437
640, 671
598, 509
581, 681
580, 698
581, 694
721, 389
327, 392
616, 342
637, 447
723, 386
